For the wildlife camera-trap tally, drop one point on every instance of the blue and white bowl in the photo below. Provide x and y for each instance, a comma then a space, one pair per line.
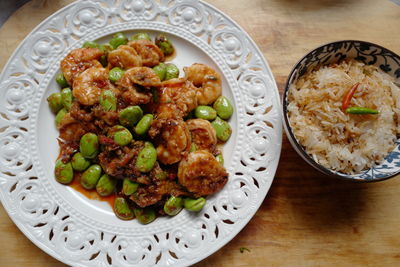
370, 54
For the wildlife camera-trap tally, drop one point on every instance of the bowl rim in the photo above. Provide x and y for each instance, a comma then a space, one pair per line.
293, 140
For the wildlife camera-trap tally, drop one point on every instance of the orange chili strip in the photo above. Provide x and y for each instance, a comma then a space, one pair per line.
348, 96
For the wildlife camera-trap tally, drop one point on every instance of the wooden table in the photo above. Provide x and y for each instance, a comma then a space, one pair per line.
307, 219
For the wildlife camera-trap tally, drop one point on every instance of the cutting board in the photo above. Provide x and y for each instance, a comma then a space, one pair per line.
307, 219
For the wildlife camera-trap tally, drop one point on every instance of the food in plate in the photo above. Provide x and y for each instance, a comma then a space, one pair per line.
130, 127
346, 115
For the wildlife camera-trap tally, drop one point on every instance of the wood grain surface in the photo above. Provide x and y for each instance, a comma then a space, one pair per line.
307, 219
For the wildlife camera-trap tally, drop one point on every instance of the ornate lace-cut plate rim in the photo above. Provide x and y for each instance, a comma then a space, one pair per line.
272, 164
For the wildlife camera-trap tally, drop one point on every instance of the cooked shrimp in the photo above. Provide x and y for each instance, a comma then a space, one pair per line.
175, 141
142, 76
79, 60
203, 134
133, 96
201, 173
134, 85
124, 57
163, 113
181, 92
207, 81
176, 98
168, 111
150, 53
88, 85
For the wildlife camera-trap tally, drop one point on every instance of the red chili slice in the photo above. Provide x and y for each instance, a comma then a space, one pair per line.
348, 96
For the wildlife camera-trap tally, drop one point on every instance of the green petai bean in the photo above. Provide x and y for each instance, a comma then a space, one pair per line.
89, 145
90, 44
146, 215
173, 205
55, 102
164, 44
144, 124
161, 71
220, 158
205, 112
223, 107
62, 82
146, 159
141, 36
60, 115
118, 39
105, 48
91, 176
129, 116
194, 204
129, 187
66, 98
108, 101
222, 128
79, 162
106, 185
63, 172
115, 74
121, 135
122, 209
171, 71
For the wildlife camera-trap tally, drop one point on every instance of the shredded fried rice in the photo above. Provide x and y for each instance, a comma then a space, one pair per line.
344, 142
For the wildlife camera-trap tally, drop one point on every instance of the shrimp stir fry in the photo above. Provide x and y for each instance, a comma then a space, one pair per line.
201, 173
152, 135
124, 57
181, 92
203, 134
135, 85
150, 53
88, 85
207, 80
79, 60
142, 76
175, 99
174, 143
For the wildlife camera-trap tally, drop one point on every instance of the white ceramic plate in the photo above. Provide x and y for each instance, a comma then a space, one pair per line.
83, 232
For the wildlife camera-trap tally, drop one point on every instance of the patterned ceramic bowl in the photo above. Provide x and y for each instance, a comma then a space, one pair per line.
368, 53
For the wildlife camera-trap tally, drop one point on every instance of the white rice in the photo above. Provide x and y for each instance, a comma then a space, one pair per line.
344, 142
